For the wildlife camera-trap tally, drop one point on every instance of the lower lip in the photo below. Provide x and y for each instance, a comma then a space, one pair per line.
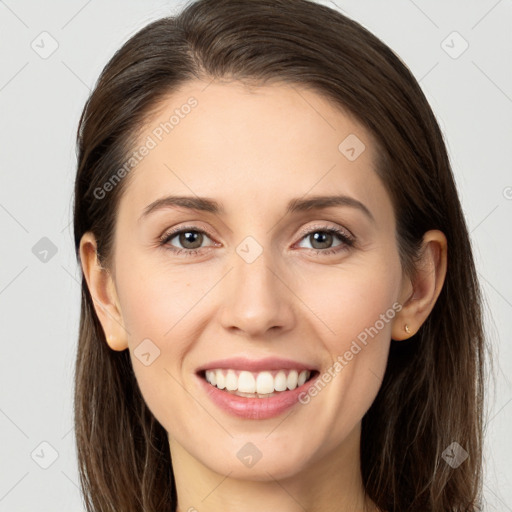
255, 408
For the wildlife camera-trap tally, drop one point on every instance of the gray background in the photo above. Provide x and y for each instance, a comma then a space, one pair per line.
40, 102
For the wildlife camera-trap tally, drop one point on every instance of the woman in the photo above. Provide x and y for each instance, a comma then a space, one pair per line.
319, 344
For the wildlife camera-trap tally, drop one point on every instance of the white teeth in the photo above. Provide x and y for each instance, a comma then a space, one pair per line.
280, 381
221, 380
231, 381
246, 383
265, 383
210, 377
291, 382
301, 379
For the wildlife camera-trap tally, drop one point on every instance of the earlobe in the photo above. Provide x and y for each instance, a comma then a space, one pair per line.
115, 343
401, 331
426, 286
103, 293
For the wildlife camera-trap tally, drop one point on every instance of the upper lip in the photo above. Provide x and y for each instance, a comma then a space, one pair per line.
255, 365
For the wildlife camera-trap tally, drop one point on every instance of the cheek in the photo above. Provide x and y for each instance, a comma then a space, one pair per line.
157, 300
354, 302
356, 307
159, 307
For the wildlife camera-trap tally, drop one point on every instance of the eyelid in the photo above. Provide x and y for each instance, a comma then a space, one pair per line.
325, 227
170, 233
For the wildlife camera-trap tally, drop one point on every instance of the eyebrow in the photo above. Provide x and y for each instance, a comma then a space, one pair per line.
295, 205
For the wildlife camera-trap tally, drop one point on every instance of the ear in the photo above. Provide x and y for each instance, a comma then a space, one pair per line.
102, 289
419, 294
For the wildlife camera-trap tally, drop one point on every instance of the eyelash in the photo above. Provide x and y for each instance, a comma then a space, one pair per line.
348, 240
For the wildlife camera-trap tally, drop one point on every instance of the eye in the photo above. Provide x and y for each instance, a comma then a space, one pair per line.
190, 237
322, 238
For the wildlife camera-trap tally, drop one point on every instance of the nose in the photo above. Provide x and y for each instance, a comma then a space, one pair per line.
257, 299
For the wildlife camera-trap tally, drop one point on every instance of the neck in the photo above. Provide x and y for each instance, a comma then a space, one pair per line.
330, 483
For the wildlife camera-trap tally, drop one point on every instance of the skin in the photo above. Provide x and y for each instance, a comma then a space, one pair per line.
253, 149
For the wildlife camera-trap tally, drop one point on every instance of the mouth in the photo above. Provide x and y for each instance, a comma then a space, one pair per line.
256, 389
259, 385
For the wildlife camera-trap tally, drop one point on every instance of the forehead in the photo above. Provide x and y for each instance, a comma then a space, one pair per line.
243, 143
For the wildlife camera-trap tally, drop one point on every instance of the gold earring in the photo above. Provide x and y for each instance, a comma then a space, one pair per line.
407, 330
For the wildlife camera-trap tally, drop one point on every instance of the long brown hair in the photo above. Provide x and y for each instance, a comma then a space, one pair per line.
432, 392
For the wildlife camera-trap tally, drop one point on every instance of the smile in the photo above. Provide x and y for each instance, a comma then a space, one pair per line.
255, 389
256, 384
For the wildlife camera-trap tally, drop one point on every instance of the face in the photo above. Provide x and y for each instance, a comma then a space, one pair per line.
255, 288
